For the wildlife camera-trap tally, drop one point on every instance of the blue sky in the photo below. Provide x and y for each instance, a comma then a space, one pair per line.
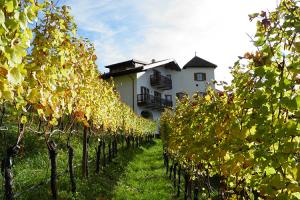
160, 29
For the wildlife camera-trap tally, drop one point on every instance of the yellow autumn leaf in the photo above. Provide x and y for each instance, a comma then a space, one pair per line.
23, 119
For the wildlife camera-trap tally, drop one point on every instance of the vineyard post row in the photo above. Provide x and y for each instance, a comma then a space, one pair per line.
103, 156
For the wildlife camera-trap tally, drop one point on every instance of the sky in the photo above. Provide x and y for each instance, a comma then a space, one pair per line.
217, 30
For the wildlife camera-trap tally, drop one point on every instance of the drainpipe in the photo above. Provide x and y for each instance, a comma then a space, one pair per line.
133, 96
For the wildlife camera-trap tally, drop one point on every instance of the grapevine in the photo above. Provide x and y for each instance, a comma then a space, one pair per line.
50, 84
248, 135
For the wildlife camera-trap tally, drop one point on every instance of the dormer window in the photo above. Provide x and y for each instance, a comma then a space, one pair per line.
199, 76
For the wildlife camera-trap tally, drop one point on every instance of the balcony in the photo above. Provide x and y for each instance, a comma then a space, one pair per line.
160, 82
153, 102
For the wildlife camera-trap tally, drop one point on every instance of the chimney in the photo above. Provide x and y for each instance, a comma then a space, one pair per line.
153, 61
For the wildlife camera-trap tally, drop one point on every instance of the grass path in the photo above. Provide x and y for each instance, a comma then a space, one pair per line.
144, 177
136, 173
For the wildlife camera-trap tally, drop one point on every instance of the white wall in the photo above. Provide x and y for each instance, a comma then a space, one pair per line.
126, 86
183, 81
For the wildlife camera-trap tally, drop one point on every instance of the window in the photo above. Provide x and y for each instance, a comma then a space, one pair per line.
168, 97
144, 90
157, 94
157, 97
156, 73
180, 95
144, 96
168, 100
199, 76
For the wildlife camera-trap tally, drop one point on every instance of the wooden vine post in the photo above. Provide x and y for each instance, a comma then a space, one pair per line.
98, 157
11, 152
196, 189
85, 152
8, 175
174, 174
109, 151
71, 169
179, 177
52, 155
104, 155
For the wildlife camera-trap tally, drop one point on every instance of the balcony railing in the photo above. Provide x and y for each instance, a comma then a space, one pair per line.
153, 102
161, 82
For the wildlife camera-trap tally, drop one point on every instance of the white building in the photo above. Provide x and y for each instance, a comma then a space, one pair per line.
150, 87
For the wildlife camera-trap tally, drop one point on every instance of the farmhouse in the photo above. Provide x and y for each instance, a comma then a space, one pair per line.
150, 87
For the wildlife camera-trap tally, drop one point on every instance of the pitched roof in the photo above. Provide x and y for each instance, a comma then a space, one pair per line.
127, 62
121, 73
131, 67
168, 63
199, 62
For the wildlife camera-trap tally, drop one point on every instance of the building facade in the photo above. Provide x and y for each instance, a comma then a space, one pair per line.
148, 88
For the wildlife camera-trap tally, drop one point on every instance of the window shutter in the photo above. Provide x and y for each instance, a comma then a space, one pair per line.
204, 77
195, 77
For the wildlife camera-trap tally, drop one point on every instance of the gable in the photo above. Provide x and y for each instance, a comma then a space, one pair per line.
199, 63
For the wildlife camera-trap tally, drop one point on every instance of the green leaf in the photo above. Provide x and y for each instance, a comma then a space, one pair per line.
40, 112
297, 27
14, 75
34, 95
294, 67
53, 121
16, 54
260, 41
290, 104
259, 71
297, 99
270, 171
31, 13
10, 6
7, 95
2, 20
297, 195
62, 60
23, 119
2, 17
297, 46
23, 20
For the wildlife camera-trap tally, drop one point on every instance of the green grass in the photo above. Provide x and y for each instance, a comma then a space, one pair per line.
144, 178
